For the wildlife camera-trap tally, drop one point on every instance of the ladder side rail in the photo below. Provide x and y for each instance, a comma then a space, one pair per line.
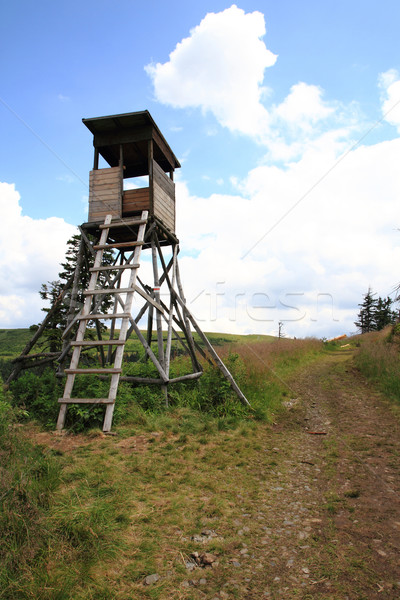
119, 352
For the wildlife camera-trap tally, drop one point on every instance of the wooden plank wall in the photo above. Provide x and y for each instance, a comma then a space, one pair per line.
105, 193
163, 197
135, 201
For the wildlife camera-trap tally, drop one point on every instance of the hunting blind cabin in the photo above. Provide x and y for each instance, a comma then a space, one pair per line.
127, 220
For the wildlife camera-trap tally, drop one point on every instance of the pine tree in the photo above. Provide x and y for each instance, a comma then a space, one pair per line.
384, 315
375, 314
51, 290
365, 321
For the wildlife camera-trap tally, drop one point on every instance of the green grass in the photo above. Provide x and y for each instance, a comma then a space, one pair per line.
94, 522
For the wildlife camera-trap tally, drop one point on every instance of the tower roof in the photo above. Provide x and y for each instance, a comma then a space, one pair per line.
133, 131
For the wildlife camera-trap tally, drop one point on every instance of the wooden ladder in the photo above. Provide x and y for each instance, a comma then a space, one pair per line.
86, 315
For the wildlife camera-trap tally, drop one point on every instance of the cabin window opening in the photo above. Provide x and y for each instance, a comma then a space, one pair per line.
133, 183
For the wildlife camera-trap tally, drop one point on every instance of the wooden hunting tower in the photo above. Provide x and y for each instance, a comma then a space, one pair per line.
126, 218
132, 146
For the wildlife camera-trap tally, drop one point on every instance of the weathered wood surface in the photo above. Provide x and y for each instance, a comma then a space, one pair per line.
114, 267
84, 401
164, 207
135, 200
82, 317
92, 343
105, 193
90, 371
105, 291
163, 180
123, 223
118, 245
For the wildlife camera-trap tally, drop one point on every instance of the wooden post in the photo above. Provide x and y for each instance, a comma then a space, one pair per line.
156, 294
150, 158
171, 309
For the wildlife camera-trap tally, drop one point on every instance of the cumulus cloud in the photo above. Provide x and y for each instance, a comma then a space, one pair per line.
303, 107
311, 270
220, 68
390, 85
30, 254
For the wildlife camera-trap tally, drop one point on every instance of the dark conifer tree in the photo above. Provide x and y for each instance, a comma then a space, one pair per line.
374, 313
384, 315
51, 290
365, 321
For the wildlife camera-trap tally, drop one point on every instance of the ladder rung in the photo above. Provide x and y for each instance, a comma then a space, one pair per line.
124, 223
89, 371
114, 268
99, 343
108, 291
117, 245
85, 401
106, 316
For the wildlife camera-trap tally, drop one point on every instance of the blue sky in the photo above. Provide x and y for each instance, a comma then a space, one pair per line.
272, 108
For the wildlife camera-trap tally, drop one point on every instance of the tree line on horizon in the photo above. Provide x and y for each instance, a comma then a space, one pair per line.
375, 313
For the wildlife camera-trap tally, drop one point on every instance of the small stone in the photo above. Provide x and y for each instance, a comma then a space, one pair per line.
209, 532
202, 581
306, 570
207, 559
290, 562
235, 563
150, 579
190, 565
244, 551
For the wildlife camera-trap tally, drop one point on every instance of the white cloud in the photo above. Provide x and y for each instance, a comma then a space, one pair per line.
303, 107
219, 68
390, 85
30, 254
311, 270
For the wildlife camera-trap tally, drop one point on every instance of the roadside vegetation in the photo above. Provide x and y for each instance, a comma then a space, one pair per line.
378, 358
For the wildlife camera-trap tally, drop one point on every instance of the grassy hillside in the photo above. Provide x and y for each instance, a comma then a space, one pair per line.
13, 341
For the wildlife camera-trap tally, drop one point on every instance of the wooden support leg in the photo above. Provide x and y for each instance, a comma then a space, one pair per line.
157, 298
62, 416
108, 417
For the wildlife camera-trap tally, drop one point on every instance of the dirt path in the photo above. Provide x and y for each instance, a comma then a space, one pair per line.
329, 515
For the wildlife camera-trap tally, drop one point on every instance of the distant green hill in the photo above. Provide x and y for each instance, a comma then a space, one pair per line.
13, 341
